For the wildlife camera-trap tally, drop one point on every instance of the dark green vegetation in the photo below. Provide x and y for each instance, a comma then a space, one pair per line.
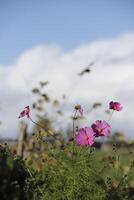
70, 173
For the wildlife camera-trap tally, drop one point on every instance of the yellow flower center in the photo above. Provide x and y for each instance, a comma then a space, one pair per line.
85, 138
99, 130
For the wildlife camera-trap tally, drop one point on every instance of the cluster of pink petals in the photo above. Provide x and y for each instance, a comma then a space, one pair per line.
101, 128
115, 106
25, 112
85, 136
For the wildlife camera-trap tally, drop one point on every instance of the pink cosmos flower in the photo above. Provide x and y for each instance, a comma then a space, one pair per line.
84, 136
115, 106
25, 112
101, 128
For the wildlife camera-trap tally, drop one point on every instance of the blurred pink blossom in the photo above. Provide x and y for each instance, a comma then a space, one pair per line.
84, 136
115, 106
101, 128
25, 112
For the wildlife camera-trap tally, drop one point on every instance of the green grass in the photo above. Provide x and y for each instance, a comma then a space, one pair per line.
71, 173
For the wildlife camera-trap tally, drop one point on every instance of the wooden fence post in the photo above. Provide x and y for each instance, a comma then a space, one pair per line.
21, 138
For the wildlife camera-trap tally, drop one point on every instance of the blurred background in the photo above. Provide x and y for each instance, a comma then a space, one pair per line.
55, 54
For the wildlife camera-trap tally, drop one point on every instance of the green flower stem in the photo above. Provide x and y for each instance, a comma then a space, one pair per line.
74, 146
36, 123
74, 118
74, 123
110, 116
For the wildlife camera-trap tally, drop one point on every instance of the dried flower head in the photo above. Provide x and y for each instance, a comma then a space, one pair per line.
79, 109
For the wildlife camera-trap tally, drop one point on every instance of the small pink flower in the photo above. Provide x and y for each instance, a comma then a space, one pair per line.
84, 136
115, 106
25, 112
79, 109
101, 128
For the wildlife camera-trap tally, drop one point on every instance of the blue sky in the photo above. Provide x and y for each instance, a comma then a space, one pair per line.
25, 24
99, 30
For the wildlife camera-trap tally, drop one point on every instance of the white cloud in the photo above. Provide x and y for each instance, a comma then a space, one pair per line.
111, 78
